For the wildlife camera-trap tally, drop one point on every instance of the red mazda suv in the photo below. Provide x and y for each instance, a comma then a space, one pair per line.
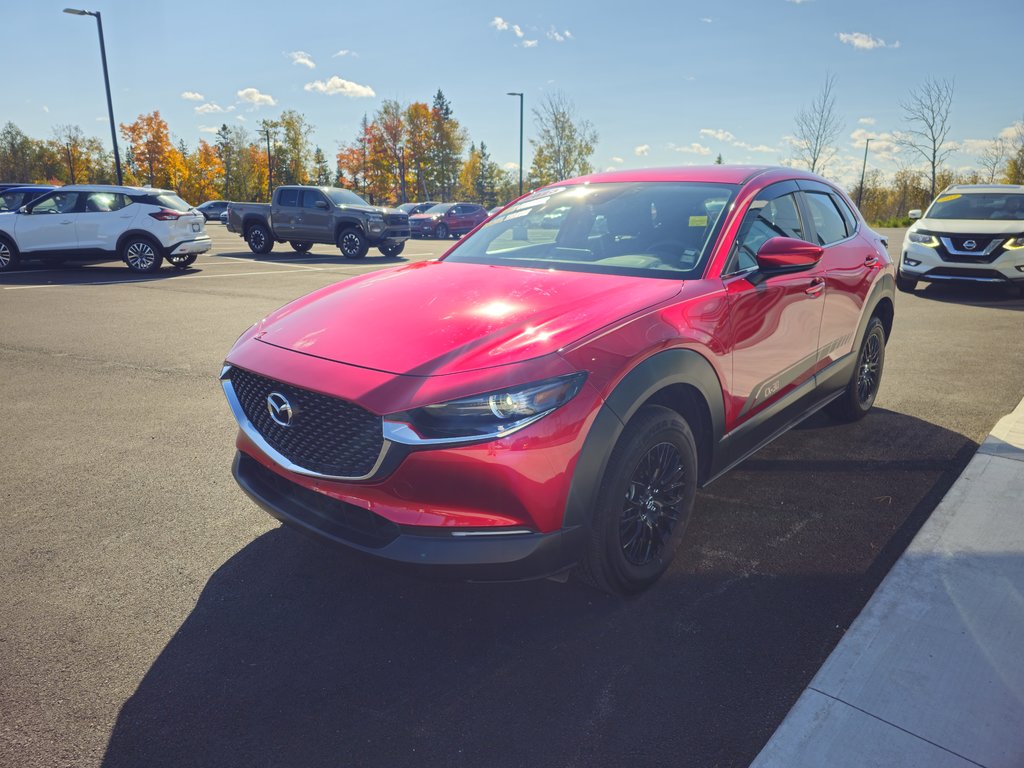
546, 399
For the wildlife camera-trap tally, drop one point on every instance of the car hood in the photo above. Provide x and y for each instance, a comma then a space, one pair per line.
425, 216
435, 318
371, 209
970, 226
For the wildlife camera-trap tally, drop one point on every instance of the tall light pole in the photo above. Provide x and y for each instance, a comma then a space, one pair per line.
106, 82
863, 167
513, 93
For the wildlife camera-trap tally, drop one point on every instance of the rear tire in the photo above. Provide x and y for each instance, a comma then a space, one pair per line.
860, 393
300, 247
258, 238
9, 256
441, 232
352, 244
644, 503
184, 261
905, 284
141, 255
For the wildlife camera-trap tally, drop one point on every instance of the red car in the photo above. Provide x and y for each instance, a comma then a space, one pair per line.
446, 220
546, 400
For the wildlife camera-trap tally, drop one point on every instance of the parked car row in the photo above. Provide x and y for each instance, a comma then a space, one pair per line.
446, 220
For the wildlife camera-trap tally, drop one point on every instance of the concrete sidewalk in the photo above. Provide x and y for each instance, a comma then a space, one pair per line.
931, 673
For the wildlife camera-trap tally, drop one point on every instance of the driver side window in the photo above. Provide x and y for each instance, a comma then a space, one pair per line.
779, 217
58, 202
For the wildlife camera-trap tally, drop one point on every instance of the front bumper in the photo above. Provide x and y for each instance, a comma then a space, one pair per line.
494, 554
919, 262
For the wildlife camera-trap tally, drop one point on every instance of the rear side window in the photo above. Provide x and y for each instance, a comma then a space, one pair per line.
828, 223
172, 201
289, 197
848, 215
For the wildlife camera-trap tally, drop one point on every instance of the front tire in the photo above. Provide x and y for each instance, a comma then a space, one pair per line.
441, 232
141, 255
9, 256
905, 284
258, 238
352, 244
300, 247
392, 250
860, 393
645, 501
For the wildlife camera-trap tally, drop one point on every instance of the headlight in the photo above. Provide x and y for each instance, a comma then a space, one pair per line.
1015, 244
921, 238
490, 415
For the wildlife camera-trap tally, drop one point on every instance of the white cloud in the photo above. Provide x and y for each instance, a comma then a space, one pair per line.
717, 133
240, 117
208, 128
863, 42
345, 52
692, 149
337, 85
529, 43
618, 160
755, 147
976, 146
302, 58
518, 30
46, 109
798, 2
866, 121
1012, 131
499, 23
211, 109
706, 20
642, 151
883, 144
511, 166
257, 99
192, 96
559, 37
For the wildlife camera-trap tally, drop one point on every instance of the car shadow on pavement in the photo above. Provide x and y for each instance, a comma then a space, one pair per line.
85, 273
297, 654
372, 259
974, 295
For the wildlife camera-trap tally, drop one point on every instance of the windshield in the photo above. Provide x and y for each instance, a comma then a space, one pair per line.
987, 205
651, 229
344, 197
439, 208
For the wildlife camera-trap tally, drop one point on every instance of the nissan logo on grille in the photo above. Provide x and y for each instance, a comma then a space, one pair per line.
280, 409
970, 245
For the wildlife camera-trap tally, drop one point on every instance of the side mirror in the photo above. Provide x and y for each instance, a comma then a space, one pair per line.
788, 254
914, 214
321, 204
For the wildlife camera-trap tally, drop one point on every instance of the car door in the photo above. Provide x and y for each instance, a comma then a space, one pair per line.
775, 319
49, 224
457, 219
286, 214
104, 216
314, 223
849, 264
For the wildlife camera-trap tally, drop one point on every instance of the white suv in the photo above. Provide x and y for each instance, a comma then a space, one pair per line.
971, 232
138, 225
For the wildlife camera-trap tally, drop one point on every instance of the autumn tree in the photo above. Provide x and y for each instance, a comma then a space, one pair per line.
204, 174
418, 143
444, 156
564, 144
926, 111
150, 149
320, 173
817, 128
18, 155
480, 178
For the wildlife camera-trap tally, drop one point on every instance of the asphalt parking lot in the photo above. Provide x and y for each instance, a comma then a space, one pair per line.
154, 616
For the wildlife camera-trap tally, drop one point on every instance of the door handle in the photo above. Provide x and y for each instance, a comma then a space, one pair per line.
816, 287
66, 221
870, 260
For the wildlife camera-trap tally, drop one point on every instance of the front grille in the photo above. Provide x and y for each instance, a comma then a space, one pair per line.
326, 435
331, 517
396, 219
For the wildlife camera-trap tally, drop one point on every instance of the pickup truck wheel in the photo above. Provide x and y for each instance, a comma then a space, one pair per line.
441, 232
258, 238
8, 255
644, 504
860, 393
300, 247
353, 244
392, 250
141, 255
183, 260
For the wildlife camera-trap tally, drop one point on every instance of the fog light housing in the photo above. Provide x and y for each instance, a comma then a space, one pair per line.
911, 262
1020, 267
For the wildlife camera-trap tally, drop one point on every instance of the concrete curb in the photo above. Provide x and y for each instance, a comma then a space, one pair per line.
931, 673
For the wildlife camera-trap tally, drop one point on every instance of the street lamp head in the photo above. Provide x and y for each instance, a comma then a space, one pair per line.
77, 12
513, 93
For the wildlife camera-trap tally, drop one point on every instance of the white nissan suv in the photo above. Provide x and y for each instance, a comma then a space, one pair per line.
971, 232
137, 225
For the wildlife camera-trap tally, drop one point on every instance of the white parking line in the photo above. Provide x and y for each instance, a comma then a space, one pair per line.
156, 279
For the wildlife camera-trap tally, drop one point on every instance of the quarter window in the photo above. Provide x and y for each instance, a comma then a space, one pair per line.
288, 197
103, 202
828, 223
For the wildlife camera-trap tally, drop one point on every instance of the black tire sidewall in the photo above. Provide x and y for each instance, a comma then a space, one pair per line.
651, 426
441, 232
363, 245
15, 256
267, 242
300, 247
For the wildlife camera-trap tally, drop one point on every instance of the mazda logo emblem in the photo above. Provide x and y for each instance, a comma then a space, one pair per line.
970, 245
280, 409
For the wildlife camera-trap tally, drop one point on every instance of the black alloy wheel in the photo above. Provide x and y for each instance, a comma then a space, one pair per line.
441, 231
869, 369
352, 244
644, 503
258, 239
862, 389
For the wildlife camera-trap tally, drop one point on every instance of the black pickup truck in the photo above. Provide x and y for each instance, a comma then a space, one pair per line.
302, 216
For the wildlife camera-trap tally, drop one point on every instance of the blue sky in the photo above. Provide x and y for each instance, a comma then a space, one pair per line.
664, 83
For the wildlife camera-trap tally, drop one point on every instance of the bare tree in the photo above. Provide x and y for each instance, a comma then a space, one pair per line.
926, 110
565, 143
994, 158
817, 128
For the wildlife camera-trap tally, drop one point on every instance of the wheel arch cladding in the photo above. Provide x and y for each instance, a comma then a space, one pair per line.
679, 379
140, 233
342, 224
